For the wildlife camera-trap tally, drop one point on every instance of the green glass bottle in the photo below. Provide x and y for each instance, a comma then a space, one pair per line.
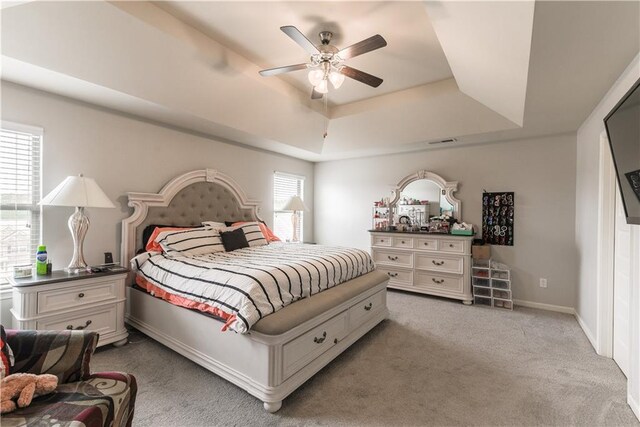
41, 261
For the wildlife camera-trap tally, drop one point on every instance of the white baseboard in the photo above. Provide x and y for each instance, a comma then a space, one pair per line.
635, 406
587, 331
561, 309
542, 306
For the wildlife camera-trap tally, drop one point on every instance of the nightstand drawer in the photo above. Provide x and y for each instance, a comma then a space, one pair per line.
102, 320
76, 296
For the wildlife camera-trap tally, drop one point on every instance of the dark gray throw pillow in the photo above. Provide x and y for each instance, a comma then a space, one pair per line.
232, 240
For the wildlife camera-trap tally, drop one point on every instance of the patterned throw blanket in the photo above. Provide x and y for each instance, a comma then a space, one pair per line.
248, 284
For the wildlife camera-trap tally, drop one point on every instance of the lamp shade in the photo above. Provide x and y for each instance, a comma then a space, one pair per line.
78, 191
295, 203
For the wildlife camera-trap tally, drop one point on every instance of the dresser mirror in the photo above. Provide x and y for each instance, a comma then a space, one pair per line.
423, 195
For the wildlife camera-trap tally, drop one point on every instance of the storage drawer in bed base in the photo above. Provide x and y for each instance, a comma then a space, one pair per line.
255, 361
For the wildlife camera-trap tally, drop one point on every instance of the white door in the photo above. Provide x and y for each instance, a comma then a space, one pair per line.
621, 288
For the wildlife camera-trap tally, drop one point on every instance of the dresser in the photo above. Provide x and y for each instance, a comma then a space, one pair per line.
433, 264
91, 301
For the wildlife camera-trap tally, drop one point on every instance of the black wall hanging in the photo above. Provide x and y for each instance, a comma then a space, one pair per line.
498, 218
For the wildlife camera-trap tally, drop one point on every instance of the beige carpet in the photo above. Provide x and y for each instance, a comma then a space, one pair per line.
434, 362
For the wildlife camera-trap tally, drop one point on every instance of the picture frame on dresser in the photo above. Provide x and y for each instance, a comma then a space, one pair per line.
436, 264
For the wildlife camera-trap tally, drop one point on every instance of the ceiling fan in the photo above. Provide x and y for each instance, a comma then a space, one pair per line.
326, 62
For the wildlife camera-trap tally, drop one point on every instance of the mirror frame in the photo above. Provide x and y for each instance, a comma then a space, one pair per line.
447, 189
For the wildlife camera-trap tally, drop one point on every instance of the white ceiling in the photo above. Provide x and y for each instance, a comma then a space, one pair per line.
412, 57
476, 71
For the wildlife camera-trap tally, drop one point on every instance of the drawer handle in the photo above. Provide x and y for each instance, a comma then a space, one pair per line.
368, 306
437, 281
437, 262
81, 295
450, 245
392, 274
392, 258
79, 328
402, 242
426, 243
381, 241
321, 339
335, 340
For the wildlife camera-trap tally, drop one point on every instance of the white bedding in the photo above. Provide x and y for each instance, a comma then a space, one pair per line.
252, 283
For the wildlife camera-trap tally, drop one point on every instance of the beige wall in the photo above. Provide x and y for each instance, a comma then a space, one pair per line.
541, 172
124, 154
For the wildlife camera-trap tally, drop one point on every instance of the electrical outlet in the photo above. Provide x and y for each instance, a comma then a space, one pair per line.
543, 283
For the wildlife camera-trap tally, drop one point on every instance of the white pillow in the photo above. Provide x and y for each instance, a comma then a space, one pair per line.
194, 241
252, 232
214, 224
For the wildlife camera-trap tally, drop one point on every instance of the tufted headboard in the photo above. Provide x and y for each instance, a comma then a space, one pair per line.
202, 195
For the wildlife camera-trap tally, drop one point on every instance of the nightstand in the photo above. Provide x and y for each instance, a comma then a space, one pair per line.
61, 300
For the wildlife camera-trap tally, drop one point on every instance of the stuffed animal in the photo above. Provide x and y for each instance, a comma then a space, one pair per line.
24, 387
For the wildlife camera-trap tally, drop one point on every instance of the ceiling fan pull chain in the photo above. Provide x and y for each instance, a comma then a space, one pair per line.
326, 117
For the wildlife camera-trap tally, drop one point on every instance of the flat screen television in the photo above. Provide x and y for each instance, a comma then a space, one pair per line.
623, 130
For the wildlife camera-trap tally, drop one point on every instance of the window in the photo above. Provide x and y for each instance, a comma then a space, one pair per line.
284, 187
19, 196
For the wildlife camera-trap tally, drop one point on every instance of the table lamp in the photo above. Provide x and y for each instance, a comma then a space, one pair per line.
295, 204
80, 192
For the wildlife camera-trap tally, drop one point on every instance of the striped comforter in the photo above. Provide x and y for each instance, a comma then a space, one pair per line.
251, 283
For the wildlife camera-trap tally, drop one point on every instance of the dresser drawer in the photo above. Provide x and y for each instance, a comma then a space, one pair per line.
381, 240
439, 281
76, 296
366, 309
427, 244
402, 242
102, 320
298, 352
400, 259
452, 246
436, 262
402, 277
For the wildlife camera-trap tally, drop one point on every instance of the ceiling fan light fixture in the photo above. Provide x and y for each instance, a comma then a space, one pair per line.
336, 79
322, 87
316, 76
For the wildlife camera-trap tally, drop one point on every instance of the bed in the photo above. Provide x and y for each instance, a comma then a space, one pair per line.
275, 354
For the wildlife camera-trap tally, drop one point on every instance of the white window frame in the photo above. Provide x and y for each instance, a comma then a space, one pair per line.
34, 206
278, 213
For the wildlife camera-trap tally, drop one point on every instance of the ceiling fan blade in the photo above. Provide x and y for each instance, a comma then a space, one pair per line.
361, 76
280, 70
315, 94
364, 46
300, 38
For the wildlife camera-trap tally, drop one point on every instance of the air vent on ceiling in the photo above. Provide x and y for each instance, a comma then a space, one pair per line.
444, 141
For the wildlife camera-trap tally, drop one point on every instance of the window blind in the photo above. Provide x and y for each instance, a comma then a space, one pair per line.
284, 187
19, 196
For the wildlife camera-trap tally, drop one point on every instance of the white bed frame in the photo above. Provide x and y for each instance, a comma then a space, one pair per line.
270, 367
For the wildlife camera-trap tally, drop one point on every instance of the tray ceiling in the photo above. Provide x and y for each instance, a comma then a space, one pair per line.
476, 71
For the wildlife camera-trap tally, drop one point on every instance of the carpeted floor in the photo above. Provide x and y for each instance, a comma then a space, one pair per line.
433, 362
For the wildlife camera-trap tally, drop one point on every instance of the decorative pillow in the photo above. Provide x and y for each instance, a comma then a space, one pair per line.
140, 259
194, 241
152, 245
6, 355
234, 239
253, 232
268, 234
